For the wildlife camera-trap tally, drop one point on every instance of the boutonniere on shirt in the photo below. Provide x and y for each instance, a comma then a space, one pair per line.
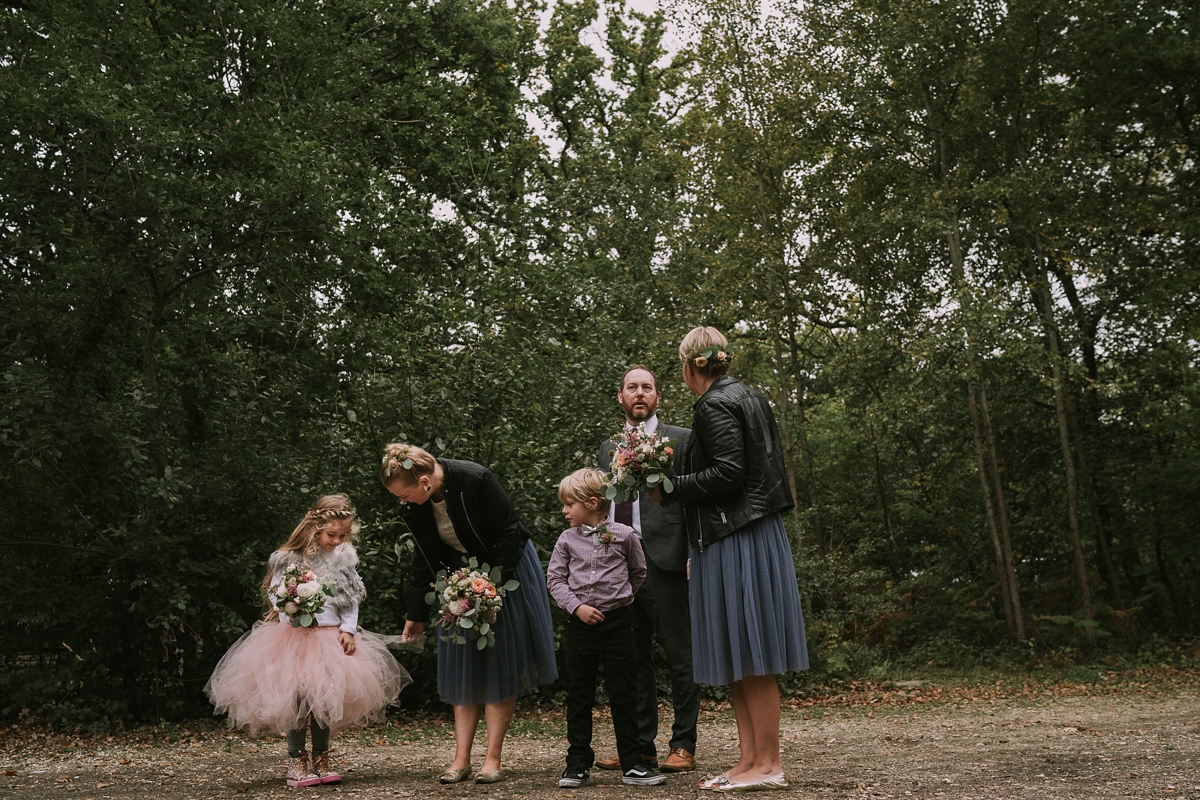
603, 535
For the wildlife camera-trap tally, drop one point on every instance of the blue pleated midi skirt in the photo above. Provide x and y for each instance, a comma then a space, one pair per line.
746, 617
522, 657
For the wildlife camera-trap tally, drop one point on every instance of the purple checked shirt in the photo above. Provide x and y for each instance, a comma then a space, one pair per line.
583, 572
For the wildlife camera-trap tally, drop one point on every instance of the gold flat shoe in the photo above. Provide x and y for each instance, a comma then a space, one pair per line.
765, 784
490, 777
455, 775
713, 781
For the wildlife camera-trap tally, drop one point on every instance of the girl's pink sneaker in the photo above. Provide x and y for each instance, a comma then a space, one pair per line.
298, 773
324, 770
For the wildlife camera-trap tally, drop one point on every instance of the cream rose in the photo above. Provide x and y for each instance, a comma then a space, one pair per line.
307, 590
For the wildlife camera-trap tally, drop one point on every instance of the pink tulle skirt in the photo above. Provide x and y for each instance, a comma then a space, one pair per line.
275, 675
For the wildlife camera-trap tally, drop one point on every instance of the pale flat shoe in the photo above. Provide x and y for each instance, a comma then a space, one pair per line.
713, 781
764, 784
455, 775
490, 777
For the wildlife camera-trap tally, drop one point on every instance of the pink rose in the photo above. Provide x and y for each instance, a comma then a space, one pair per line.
479, 586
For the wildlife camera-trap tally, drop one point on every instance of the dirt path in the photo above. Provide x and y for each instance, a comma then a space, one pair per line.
1046, 747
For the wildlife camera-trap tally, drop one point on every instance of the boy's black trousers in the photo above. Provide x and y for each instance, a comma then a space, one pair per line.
588, 646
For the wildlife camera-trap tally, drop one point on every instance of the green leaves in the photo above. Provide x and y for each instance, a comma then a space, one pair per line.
248, 245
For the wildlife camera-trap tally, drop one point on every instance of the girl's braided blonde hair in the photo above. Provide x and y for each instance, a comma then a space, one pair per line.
323, 513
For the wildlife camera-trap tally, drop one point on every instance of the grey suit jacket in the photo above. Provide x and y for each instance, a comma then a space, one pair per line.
664, 538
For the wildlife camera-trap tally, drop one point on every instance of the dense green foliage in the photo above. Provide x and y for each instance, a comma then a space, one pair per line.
246, 244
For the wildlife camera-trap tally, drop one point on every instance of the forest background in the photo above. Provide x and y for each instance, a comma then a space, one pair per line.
245, 244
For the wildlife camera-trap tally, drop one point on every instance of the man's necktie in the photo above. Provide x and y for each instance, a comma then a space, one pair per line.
624, 513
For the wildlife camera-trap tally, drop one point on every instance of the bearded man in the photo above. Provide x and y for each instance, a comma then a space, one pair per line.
660, 607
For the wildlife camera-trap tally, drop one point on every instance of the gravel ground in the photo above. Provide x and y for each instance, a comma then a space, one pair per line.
938, 745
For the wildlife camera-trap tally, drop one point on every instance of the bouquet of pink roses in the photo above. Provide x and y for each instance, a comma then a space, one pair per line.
641, 460
467, 601
301, 595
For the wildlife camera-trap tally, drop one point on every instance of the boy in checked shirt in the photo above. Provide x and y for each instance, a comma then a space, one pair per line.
594, 571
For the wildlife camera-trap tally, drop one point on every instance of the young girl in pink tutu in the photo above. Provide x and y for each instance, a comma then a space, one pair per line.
281, 677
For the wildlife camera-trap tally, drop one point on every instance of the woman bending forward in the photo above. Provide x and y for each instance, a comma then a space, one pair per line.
459, 511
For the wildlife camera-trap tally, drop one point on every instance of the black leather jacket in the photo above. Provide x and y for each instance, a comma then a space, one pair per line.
733, 463
484, 521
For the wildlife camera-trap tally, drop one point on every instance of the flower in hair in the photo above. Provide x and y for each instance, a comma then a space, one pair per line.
391, 464
702, 358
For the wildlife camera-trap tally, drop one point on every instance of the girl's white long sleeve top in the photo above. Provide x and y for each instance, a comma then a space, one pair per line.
342, 609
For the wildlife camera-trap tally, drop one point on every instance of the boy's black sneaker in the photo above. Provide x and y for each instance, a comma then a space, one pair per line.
573, 776
641, 775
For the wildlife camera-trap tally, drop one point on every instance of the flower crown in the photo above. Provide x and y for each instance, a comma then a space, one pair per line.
713, 354
395, 463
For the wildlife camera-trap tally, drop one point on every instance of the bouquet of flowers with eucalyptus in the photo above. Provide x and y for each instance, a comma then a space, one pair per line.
641, 460
301, 595
466, 603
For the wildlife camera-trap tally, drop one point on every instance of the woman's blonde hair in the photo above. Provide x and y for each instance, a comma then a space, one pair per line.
706, 350
405, 463
583, 484
321, 514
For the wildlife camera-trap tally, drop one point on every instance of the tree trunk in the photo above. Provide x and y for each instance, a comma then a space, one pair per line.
810, 477
1005, 588
1004, 559
1002, 509
1044, 303
1106, 562
881, 486
786, 436
160, 290
767, 225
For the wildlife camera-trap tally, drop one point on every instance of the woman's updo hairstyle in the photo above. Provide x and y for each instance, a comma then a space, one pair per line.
405, 463
706, 350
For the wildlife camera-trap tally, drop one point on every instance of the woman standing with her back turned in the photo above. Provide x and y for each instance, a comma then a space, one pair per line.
746, 620
459, 511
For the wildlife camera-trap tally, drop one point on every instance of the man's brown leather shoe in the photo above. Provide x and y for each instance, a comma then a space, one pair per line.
615, 762
679, 760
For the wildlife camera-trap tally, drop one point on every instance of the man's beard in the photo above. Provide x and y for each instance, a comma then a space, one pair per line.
639, 413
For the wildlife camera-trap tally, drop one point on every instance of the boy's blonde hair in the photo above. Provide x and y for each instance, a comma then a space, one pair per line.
583, 484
